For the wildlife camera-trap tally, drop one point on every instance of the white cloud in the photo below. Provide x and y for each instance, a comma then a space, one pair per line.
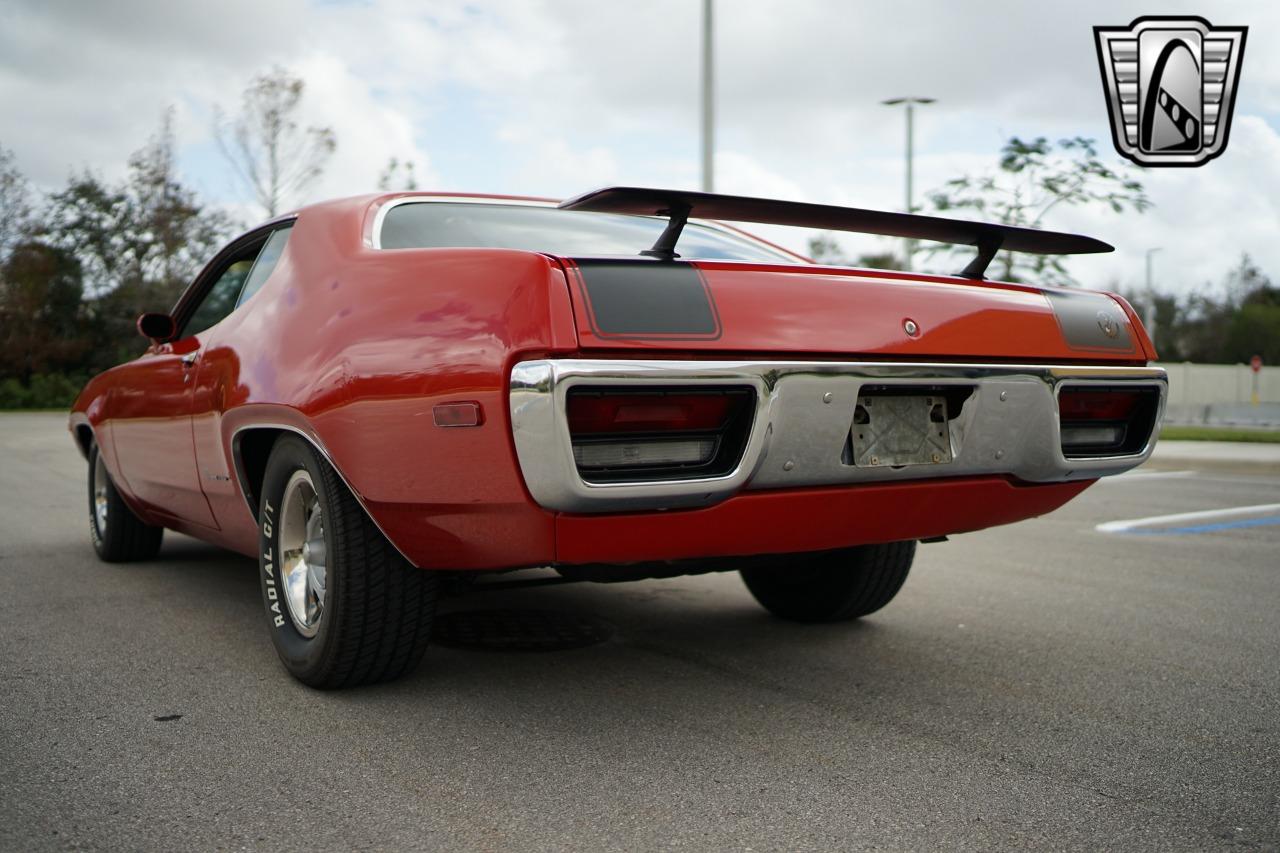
84, 84
542, 164
555, 96
370, 132
1203, 219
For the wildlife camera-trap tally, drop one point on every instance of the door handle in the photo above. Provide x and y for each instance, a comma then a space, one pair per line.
188, 361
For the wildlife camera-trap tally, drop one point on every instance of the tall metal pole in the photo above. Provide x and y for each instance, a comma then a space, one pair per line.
911, 156
1150, 320
708, 99
909, 247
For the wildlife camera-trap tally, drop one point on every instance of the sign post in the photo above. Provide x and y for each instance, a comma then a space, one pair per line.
1255, 364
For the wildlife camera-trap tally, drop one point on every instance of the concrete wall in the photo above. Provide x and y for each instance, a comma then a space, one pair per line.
1222, 394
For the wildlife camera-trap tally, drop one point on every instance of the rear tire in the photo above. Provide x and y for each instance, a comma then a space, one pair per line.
833, 587
117, 534
344, 607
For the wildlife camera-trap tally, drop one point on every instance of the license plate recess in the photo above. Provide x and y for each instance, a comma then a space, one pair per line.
893, 430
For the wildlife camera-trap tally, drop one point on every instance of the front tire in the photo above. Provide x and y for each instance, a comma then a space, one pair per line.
344, 607
833, 587
117, 534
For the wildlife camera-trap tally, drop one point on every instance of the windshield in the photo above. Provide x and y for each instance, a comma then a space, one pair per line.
570, 233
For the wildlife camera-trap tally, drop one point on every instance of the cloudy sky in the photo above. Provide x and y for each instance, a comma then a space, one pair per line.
552, 97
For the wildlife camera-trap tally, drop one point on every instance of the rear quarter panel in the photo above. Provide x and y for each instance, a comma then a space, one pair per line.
355, 346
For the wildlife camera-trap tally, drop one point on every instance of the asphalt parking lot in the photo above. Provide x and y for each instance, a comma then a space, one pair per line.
1044, 685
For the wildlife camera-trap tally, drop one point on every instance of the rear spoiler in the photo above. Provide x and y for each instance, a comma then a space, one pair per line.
679, 205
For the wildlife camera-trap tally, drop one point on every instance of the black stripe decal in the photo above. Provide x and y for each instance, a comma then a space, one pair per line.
1090, 321
647, 300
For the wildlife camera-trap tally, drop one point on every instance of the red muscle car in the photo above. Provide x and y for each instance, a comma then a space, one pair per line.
373, 394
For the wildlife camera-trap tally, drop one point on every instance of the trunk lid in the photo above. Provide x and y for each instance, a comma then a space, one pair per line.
624, 304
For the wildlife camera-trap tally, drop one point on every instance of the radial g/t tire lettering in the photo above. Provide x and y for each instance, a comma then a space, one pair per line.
343, 606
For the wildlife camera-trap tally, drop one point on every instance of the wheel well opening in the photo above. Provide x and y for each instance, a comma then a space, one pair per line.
253, 449
84, 438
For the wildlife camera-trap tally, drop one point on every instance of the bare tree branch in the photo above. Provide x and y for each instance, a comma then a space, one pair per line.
272, 154
15, 204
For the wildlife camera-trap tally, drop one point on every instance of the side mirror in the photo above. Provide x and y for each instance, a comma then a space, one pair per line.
157, 327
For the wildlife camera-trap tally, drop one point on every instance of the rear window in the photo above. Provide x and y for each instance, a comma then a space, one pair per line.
570, 233
266, 263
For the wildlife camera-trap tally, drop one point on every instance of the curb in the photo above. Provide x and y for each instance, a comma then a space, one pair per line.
1204, 464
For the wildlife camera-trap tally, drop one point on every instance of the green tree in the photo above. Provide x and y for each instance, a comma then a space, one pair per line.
1202, 330
180, 233
825, 250
1168, 315
1227, 323
77, 269
1254, 328
138, 243
41, 325
148, 230
272, 154
1033, 179
879, 261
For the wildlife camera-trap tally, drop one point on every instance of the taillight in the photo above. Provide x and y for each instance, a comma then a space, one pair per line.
1105, 421
1097, 405
657, 433
596, 413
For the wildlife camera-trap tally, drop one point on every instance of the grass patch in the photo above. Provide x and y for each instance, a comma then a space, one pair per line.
1208, 433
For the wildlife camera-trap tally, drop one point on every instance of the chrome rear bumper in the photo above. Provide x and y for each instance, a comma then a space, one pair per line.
804, 409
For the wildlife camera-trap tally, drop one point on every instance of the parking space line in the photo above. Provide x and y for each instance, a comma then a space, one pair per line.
1159, 523
1222, 525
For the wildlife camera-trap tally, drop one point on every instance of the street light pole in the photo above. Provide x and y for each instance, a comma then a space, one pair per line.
708, 99
1150, 320
910, 102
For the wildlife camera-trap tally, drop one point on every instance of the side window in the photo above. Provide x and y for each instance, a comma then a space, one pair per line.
266, 263
220, 300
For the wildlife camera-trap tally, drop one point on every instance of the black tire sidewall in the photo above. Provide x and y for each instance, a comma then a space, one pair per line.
833, 587
95, 535
127, 537
304, 657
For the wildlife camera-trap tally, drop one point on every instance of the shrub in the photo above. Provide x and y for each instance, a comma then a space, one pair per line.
44, 391
13, 395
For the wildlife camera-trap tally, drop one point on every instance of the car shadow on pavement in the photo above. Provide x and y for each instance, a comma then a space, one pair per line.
214, 573
704, 629
698, 638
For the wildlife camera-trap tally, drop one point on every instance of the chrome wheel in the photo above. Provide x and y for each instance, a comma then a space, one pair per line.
100, 482
302, 553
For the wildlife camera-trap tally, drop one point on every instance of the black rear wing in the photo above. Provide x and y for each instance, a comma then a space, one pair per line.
679, 205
